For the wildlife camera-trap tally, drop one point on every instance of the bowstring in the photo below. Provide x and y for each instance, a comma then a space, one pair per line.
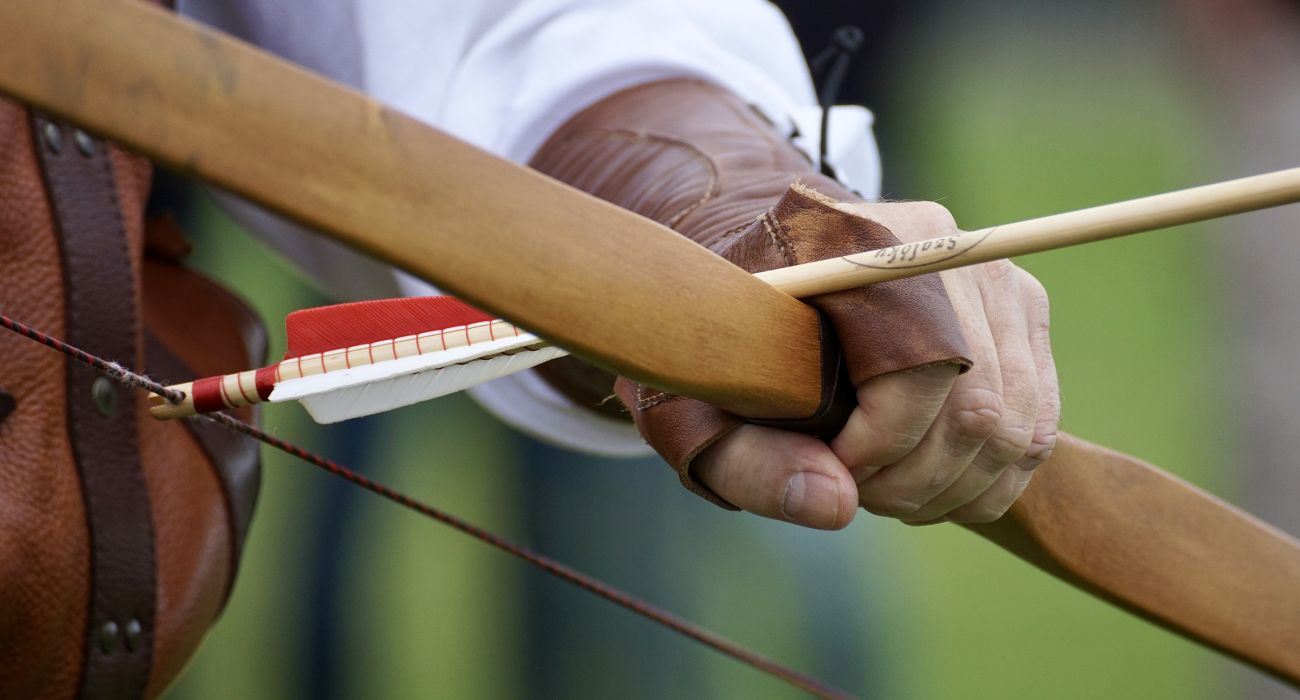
123, 375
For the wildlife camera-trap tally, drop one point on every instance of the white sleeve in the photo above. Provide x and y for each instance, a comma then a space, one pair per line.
505, 74
546, 60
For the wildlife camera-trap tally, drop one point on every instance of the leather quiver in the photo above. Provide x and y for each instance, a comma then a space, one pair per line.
119, 534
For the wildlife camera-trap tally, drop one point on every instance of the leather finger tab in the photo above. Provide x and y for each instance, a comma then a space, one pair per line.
679, 429
887, 327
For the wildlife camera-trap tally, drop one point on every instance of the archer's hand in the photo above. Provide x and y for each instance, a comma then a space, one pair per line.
923, 445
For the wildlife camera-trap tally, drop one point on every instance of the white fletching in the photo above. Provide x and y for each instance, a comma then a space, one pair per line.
364, 390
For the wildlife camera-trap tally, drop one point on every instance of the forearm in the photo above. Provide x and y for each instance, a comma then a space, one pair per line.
685, 153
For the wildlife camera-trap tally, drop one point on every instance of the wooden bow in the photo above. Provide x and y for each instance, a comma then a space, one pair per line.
616, 289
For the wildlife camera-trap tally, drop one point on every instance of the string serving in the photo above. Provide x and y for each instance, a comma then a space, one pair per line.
121, 374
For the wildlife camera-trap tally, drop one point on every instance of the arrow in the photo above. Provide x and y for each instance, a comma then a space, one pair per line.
371, 367
622, 292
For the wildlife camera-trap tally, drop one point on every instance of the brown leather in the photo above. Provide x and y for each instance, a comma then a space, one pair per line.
887, 327
679, 429
171, 315
585, 385
102, 320
697, 158
45, 551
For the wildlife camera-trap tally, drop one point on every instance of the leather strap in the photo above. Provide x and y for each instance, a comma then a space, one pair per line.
235, 457
102, 318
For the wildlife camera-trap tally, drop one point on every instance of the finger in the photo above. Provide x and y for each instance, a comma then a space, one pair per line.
894, 412
1003, 493
1049, 388
779, 474
947, 452
1007, 308
974, 485
994, 502
909, 221
964, 423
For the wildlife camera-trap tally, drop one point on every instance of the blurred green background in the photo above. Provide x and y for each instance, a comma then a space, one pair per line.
1001, 111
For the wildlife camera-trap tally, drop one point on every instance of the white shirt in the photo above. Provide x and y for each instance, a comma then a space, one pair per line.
504, 75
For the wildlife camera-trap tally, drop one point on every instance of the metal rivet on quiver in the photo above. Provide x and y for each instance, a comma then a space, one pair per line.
7, 404
104, 395
133, 632
108, 637
53, 137
85, 144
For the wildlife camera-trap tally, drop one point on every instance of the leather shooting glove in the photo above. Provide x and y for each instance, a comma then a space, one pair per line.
696, 158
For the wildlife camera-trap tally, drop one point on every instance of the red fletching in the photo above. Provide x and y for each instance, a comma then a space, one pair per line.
324, 328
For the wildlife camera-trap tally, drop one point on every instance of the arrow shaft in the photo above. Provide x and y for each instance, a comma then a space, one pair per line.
619, 290
909, 259
1039, 235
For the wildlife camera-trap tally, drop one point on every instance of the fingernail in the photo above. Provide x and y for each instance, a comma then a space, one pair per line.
812, 499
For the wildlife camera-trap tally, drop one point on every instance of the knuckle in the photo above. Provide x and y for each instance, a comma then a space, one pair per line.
1007, 444
1040, 315
1003, 271
977, 414
1037, 304
1040, 448
1040, 332
1000, 279
1033, 288
936, 213
942, 477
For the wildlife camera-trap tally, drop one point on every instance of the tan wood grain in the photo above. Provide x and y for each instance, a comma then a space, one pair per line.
1162, 548
619, 290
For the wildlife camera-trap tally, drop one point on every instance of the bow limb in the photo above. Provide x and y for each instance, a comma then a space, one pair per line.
1159, 547
621, 291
